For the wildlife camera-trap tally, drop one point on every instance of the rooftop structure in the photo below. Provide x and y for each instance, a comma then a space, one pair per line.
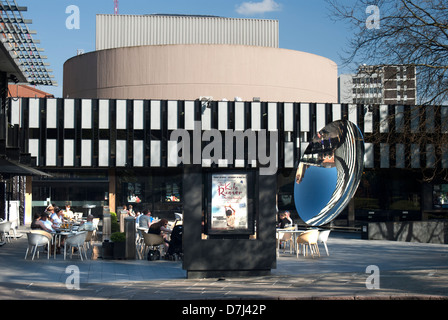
20, 58
189, 57
117, 31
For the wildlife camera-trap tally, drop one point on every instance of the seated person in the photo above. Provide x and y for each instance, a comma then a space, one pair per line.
36, 224
88, 225
160, 228
284, 220
288, 217
46, 224
145, 220
49, 210
57, 217
42, 222
68, 213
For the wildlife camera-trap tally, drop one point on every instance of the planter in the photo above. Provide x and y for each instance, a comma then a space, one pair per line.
119, 250
107, 250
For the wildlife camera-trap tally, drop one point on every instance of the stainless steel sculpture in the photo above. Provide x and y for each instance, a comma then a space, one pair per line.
329, 172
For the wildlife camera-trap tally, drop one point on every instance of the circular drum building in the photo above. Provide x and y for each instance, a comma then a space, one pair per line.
188, 72
183, 61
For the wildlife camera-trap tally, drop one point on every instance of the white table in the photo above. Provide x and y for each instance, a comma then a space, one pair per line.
57, 236
294, 234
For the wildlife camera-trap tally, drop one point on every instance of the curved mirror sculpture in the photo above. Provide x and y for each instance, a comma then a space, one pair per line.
329, 172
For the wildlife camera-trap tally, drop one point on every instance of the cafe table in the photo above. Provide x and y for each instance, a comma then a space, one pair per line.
57, 237
294, 233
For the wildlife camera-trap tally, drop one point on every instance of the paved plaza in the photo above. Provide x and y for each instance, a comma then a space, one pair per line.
355, 270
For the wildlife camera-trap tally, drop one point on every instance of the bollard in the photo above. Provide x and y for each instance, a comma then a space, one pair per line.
106, 226
121, 221
107, 252
129, 229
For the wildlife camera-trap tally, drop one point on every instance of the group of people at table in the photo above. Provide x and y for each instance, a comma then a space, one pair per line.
54, 219
149, 224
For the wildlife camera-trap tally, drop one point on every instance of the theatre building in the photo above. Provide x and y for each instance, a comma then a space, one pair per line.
114, 137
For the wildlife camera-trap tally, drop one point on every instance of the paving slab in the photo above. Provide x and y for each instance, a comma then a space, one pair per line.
404, 271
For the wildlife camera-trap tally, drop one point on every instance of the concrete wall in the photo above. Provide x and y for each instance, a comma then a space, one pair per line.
187, 72
412, 231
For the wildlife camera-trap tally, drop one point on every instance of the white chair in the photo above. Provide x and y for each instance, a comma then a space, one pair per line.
153, 241
323, 237
76, 241
284, 238
95, 223
140, 241
306, 240
179, 218
5, 227
36, 239
89, 238
77, 215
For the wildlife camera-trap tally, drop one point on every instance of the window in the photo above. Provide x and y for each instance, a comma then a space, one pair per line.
440, 196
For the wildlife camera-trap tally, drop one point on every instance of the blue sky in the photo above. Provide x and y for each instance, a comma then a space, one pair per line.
304, 25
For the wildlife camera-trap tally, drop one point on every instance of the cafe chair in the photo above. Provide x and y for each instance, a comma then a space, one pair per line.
152, 241
179, 218
140, 241
37, 239
284, 238
89, 238
77, 215
76, 241
306, 240
5, 228
323, 237
95, 222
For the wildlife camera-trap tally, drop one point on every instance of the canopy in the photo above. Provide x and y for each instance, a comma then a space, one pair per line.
9, 168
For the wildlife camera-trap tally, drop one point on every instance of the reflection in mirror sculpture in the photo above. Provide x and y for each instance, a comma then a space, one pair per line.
329, 173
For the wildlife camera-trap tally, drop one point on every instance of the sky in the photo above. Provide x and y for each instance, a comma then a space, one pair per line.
304, 25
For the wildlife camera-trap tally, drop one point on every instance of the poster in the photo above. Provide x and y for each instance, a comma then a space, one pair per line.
229, 202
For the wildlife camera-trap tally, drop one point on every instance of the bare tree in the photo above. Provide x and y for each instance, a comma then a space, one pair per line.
401, 32
412, 33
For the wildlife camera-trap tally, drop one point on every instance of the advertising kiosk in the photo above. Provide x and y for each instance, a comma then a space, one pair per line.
229, 223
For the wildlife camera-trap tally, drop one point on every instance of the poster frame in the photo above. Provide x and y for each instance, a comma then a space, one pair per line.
250, 193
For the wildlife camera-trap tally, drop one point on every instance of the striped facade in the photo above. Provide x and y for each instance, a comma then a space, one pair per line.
85, 133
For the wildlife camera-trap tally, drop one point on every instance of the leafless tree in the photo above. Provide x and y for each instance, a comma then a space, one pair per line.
401, 32
412, 33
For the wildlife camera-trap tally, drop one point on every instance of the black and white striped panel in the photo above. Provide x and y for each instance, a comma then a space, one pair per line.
106, 133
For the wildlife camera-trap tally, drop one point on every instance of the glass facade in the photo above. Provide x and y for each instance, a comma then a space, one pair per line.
440, 196
383, 195
78, 188
388, 195
158, 190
